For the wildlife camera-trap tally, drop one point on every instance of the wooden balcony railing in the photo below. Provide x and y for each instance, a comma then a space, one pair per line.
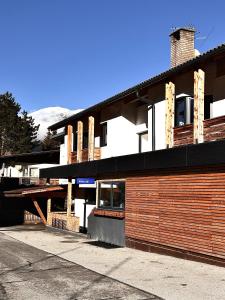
214, 129
97, 155
183, 135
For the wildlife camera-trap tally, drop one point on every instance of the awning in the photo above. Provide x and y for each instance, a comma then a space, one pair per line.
37, 191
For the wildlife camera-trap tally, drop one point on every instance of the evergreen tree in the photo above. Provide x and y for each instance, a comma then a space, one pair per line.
48, 143
17, 130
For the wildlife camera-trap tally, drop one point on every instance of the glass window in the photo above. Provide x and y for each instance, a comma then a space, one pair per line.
111, 194
103, 138
184, 111
85, 140
143, 142
180, 112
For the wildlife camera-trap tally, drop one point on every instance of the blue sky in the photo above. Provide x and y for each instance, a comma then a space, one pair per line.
75, 53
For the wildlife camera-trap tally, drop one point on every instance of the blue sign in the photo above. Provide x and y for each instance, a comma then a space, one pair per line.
85, 180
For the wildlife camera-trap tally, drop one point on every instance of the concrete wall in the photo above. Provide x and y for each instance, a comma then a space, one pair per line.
107, 230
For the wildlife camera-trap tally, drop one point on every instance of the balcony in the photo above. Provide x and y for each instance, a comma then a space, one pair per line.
214, 129
97, 155
183, 135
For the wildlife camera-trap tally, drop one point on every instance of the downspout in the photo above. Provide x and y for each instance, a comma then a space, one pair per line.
153, 127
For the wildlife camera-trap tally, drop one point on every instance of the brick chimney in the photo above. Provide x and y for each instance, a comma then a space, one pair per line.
182, 45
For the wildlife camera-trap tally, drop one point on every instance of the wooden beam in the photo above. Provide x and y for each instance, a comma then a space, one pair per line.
39, 211
199, 86
69, 196
49, 205
69, 143
91, 138
79, 141
170, 106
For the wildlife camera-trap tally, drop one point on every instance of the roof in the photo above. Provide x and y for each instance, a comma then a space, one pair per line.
188, 156
49, 157
32, 191
156, 79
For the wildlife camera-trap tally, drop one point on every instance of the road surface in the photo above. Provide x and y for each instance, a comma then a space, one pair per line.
30, 273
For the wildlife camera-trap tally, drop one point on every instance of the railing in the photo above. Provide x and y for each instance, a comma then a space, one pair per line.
214, 129
97, 155
183, 135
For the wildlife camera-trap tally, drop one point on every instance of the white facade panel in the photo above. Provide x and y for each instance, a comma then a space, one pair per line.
122, 138
218, 108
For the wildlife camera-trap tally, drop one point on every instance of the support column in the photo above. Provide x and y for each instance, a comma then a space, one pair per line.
69, 143
39, 211
79, 141
69, 196
49, 205
91, 138
199, 86
170, 106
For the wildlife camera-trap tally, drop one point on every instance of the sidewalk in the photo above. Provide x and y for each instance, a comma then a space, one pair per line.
167, 277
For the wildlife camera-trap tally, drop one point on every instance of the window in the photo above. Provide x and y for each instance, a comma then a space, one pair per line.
184, 111
111, 194
75, 141
85, 140
103, 138
143, 142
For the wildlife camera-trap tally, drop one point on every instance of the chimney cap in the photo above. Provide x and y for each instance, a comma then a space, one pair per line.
188, 28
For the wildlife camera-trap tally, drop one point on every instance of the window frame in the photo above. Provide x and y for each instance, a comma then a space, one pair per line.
111, 207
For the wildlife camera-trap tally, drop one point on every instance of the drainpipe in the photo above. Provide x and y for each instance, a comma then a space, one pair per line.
152, 107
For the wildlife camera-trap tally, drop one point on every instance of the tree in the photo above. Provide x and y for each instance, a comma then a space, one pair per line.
49, 143
17, 130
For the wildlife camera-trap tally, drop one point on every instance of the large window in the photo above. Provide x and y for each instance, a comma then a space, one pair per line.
184, 111
111, 194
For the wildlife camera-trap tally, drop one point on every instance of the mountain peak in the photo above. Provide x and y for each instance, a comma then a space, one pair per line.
50, 115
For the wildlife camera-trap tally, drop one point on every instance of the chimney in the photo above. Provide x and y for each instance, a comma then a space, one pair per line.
182, 45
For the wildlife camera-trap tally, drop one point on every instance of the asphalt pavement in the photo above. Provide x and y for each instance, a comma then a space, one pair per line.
29, 273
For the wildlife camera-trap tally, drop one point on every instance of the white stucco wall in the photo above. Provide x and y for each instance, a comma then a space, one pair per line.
122, 138
79, 210
63, 152
218, 108
160, 129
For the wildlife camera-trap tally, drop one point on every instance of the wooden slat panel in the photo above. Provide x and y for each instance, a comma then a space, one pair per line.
183, 135
97, 155
109, 213
214, 129
185, 210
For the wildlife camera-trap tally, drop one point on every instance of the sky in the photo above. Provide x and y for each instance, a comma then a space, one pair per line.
75, 53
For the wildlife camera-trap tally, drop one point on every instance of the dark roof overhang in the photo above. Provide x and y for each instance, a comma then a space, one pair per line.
189, 156
48, 157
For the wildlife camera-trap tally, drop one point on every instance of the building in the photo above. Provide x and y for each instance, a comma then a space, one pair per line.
152, 158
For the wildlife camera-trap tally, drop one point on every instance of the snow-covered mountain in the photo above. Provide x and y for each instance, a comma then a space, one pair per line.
50, 115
